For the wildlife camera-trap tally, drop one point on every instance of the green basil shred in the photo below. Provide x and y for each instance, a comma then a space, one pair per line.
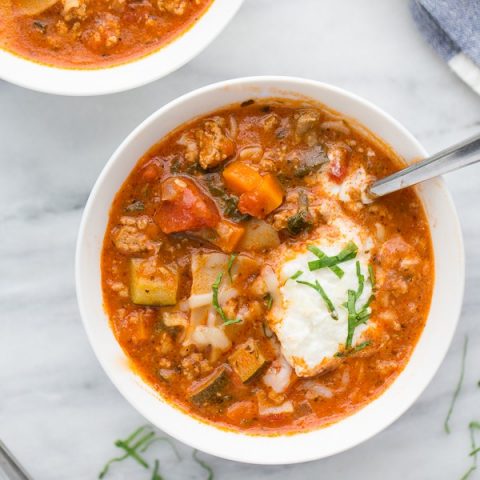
317, 287
361, 316
472, 426
231, 260
324, 261
296, 275
371, 274
268, 301
204, 465
355, 349
136, 444
216, 305
155, 474
458, 388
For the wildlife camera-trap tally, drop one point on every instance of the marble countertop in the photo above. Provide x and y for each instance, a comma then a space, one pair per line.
59, 413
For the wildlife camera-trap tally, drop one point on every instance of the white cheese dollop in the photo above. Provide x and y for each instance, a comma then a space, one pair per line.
308, 334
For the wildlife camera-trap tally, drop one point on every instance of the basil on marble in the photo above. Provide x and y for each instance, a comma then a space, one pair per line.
135, 445
458, 388
204, 465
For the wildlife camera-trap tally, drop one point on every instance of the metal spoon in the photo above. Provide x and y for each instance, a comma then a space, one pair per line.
460, 155
10, 468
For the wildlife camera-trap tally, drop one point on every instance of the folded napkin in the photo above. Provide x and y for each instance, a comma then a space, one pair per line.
452, 27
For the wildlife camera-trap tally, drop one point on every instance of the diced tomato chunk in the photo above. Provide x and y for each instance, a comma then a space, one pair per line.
338, 165
185, 206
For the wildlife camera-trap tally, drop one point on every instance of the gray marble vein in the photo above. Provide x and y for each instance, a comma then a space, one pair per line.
59, 413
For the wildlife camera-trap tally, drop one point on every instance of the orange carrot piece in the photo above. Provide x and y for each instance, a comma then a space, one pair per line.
266, 197
272, 192
240, 178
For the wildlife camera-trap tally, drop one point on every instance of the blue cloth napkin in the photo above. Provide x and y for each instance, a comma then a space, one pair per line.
452, 27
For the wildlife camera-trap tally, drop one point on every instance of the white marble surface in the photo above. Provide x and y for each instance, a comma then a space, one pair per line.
58, 411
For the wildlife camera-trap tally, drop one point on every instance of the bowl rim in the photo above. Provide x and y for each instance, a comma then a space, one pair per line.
251, 456
135, 73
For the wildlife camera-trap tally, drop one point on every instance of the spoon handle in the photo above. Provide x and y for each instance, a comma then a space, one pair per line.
460, 155
10, 469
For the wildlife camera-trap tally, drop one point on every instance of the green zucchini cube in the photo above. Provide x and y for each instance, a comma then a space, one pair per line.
152, 284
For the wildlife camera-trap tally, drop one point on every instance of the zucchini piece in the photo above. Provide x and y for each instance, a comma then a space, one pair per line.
152, 284
209, 389
247, 360
205, 269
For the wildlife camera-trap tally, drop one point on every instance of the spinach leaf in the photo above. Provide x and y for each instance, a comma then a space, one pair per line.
310, 161
302, 220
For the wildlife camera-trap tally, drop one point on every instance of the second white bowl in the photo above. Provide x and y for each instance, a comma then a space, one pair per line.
77, 82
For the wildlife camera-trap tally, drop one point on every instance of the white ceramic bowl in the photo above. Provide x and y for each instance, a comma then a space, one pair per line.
426, 358
130, 75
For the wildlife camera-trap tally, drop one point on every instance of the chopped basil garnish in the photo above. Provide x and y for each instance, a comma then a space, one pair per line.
296, 274
155, 474
352, 318
204, 465
356, 317
268, 301
361, 346
216, 305
371, 274
324, 261
316, 286
232, 258
136, 444
472, 426
355, 349
456, 393
360, 278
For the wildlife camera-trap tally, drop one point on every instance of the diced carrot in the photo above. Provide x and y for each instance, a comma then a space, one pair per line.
272, 192
266, 197
240, 178
185, 206
229, 234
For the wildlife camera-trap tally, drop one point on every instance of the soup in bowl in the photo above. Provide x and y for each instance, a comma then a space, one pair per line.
235, 260
91, 47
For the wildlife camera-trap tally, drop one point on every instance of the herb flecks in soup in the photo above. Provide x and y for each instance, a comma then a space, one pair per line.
93, 33
250, 283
